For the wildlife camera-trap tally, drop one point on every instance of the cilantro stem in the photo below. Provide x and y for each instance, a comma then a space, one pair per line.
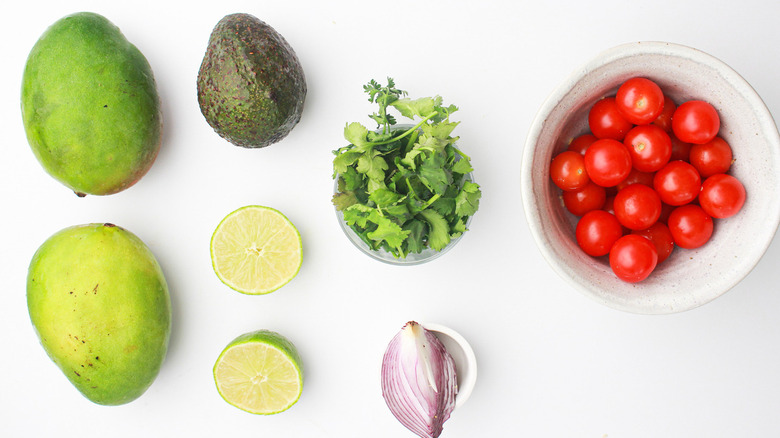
432, 200
461, 153
412, 129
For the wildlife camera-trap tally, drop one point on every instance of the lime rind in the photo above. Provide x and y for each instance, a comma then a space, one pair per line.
246, 380
256, 250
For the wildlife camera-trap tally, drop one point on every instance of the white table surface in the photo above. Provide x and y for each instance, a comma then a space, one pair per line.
552, 362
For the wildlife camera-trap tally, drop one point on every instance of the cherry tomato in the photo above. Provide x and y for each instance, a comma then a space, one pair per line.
695, 121
607, 162
633, 258
581, 143
659, 234
640, 100
636, 177
650, 147
712, 157
680, 150
677, 183
596, 231
690, 225
567, 171
722, 196
637, 207
590, 197
605, 120
664, 120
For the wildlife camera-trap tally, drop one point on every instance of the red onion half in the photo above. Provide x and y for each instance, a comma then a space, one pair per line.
419, 382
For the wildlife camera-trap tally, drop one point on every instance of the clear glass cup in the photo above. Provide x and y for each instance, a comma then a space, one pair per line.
380, 254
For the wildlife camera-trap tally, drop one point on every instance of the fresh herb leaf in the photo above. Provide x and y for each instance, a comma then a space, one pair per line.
351, 179
384, 197
467, 201
462, 166
434, 175
439, 235
356, 134
344, 200
415, 242
344, 160
372, 165
423, 107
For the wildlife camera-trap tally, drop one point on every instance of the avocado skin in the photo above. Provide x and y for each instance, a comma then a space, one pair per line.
251, 86
90, 106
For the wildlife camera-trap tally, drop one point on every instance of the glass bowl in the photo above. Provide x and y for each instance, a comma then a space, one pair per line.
380, 254
424, 256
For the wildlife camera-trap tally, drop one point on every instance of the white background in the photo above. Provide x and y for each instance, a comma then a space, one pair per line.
552, 363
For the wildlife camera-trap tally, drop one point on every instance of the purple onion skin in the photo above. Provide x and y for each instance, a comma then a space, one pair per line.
419, 382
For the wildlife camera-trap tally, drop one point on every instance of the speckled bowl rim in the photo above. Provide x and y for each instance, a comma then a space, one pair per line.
560, 259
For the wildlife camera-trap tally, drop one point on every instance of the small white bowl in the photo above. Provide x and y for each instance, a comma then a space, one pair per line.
462, 355
689, 278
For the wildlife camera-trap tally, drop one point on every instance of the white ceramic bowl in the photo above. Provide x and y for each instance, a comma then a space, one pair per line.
689, 278
462, 355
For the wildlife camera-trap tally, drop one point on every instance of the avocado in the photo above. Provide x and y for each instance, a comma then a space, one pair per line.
251, 86
90, 106
100, 306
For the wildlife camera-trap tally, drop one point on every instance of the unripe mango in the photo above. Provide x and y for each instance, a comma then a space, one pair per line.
90, 106
100, 306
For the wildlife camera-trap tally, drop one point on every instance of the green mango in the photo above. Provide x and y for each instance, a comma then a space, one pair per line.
90, 106
251, 86
100, 306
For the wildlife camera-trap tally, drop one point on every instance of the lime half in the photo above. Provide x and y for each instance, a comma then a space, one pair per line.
256, 250
259, 372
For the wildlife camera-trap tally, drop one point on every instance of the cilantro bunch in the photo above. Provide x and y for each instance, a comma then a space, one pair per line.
404, 189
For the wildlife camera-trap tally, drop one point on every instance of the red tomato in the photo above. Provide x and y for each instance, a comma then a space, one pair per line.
590, 197
637, 207
722, 196
567, 171
677, 183
633, 258
597, 231
690, 225
607, 162
581, 143
650, 147
695, 121
661, 237
636, 177
640, 100
680, 150
664, 120
712, 157
605, 120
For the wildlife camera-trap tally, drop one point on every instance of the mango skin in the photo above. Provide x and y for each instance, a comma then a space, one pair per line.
100, 306
90, 106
